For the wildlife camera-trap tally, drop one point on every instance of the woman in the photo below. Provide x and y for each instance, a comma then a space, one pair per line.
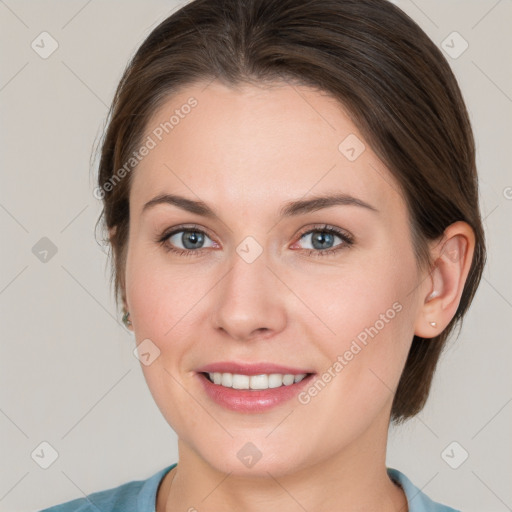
290, 194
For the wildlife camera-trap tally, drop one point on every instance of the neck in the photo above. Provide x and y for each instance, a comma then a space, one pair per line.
352, 479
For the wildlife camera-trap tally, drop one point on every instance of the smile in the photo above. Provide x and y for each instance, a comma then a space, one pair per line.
257, 382
252, 393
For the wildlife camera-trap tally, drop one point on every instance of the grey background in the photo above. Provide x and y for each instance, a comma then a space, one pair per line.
68, 375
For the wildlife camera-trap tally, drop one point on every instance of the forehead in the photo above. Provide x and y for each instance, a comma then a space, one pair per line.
257, 145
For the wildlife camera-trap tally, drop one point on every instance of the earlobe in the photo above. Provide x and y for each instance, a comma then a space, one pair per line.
452, 260
126, 320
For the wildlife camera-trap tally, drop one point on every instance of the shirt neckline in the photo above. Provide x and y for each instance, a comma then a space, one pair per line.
146, 500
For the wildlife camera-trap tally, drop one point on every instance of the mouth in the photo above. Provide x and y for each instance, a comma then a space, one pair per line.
251, 388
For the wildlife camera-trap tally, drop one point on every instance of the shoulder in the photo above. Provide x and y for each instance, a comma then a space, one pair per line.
417, 500
117, 498
133, 496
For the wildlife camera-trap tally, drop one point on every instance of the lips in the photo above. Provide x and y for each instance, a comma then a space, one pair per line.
250, 400
251, 368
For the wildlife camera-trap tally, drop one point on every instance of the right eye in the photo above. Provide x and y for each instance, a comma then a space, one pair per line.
185, 241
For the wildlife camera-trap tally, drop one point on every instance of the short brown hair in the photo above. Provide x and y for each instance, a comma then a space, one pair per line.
395, 83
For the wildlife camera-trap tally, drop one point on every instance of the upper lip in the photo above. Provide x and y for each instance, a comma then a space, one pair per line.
250, 368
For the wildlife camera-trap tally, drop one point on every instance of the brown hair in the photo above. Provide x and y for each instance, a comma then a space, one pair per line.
370, 56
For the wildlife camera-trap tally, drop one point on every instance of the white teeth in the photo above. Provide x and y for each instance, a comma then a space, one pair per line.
259, 382
240, 381
288, 379
263, 381
226, 379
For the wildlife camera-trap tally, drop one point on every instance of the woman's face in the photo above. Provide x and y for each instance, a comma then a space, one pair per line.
260, 281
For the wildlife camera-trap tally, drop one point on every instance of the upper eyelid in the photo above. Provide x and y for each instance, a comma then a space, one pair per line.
325, 227
179, 229
341, 233
167, 234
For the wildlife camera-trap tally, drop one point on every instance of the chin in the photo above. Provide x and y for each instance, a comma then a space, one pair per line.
247, 459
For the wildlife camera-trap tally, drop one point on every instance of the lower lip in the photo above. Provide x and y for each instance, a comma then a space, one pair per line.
246, 400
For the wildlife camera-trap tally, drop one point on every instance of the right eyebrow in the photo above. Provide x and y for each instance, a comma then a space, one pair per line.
197, 207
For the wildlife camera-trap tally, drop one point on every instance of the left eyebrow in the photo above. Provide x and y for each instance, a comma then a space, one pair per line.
319, 202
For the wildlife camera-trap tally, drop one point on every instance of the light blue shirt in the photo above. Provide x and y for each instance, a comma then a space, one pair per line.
140, 496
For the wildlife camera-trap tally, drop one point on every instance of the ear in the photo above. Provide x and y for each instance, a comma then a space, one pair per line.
111, 233
443, 288
125, 308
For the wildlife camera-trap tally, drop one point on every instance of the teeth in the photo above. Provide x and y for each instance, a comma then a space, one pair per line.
263, 381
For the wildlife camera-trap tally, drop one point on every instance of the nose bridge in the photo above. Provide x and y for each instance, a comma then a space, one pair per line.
249, 270
248, 298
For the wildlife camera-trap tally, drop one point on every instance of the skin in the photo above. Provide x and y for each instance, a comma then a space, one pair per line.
245, 152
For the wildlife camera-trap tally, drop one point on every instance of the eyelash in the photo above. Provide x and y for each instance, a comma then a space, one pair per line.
347, 239
163, 240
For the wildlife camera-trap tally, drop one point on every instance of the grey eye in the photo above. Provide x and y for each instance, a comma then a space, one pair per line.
189, 239
320, 239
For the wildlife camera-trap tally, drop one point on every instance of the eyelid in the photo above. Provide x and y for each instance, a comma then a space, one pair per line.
186, 227
163, 239
342, 233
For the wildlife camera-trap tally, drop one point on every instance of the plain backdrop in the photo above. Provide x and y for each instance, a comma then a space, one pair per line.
68, 376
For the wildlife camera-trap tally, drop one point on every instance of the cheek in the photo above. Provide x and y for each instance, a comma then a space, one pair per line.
349, 300
160, 295
162, 298
370, 315
363, 364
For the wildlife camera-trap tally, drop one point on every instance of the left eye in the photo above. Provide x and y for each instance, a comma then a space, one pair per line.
189, 239
321, 239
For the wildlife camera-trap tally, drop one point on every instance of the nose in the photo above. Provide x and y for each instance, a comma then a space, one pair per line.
249, 300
